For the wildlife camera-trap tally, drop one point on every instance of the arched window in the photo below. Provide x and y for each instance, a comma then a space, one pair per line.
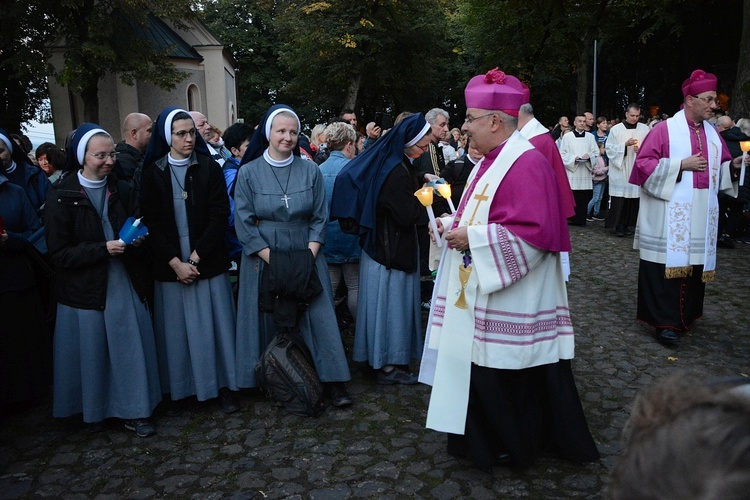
193, 97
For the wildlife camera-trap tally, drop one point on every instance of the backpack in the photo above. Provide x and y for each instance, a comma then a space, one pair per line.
285, 372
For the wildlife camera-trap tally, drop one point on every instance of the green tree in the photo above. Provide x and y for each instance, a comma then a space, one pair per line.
107, 36
247, 29
390, 55
23, 69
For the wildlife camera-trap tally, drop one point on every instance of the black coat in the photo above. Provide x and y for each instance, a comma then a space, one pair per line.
77, 246
207, 208
397, 213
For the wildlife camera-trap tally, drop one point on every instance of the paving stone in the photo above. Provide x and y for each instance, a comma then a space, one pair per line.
379, 447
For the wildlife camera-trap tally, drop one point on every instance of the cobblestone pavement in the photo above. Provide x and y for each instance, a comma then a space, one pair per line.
379, 447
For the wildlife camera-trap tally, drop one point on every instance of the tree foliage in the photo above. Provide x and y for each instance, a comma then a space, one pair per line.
248, 30
392, 55
23, 68
106, 36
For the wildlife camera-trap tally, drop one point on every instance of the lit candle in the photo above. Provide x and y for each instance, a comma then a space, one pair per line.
745, 147
424, 196
445, 191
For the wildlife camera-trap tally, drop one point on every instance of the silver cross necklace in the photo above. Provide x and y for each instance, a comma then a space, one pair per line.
286, 197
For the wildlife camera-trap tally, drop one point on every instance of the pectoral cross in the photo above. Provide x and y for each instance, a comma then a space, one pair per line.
286, 199
480, 198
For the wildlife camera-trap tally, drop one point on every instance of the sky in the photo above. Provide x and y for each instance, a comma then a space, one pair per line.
40, 132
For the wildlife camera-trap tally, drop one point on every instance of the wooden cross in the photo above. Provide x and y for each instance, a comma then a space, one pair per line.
480, 198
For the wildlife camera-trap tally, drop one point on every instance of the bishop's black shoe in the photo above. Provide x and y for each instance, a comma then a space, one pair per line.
667, 337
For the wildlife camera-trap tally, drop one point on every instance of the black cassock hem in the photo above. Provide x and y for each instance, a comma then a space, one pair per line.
524, 413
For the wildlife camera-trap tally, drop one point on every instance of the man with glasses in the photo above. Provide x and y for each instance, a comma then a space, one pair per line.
681, 167
431, 162
500, 337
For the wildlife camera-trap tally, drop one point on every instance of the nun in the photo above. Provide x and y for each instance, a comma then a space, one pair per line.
374, 195
186, 208
104, 353
20, 171
280, 206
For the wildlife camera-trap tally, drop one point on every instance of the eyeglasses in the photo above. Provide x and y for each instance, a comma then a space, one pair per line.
182, 133
104, 156
423, 148
708, 100
471, 119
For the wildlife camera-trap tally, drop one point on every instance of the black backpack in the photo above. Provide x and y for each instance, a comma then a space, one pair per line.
285, 371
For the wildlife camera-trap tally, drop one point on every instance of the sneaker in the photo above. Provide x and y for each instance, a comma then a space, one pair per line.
142, 427
227, 401
396, 376
743, 239
590, 218
427, 305
598, 217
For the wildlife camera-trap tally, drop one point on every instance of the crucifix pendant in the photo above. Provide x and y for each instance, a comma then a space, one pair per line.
184, 195
286, 199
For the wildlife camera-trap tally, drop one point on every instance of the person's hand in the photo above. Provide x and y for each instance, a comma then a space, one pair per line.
635, 147
695, 163
458, 238
430, 178
186, 273
737, 162
116, 247
631, 142
374, 132
585, 157
440, 230
137, 242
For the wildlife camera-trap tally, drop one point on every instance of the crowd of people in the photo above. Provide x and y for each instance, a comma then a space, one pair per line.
299, 220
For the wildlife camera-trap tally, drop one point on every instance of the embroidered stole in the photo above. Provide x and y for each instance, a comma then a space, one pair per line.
454, 339
680, 207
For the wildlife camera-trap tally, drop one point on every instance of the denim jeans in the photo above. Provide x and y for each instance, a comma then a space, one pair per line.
596, 199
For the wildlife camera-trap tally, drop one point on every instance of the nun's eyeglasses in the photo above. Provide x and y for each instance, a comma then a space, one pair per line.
182, 133
104, 156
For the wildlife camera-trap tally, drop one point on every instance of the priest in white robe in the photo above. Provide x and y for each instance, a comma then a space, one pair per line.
622, 146
681, 167
579, 152
500, 337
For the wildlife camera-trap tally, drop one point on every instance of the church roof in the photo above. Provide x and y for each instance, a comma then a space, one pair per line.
163, 37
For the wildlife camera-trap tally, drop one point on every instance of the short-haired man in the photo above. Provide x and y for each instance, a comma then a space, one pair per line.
590, 121
432, 162
349, 116
579, 152
500, 337
681, 167
622, 147
218, 151
136, 132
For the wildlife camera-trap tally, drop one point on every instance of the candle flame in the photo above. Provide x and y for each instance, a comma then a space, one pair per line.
424, 196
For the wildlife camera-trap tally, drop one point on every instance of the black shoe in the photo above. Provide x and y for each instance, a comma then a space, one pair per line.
598, 218
620, 230
227, 401
339, 396
628, 231
142, 427
590, 218
668, 337
725, 242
